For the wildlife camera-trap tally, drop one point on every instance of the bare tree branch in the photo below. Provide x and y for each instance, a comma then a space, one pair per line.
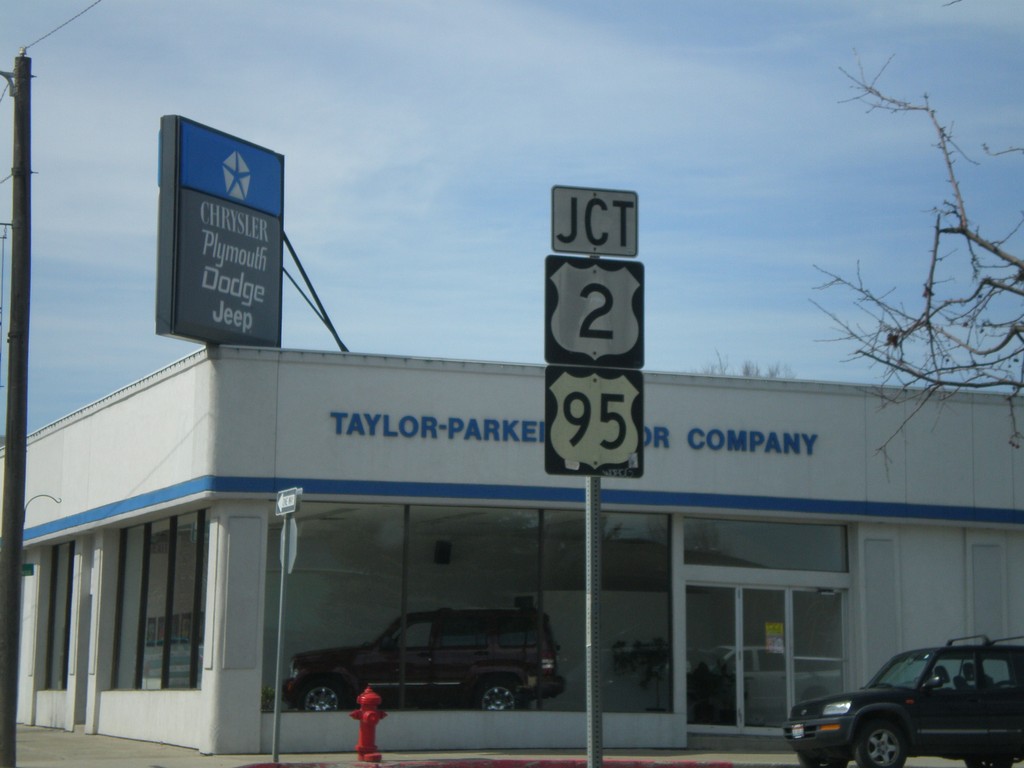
963, 335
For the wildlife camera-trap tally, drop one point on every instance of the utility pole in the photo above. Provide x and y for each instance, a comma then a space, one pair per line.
13, 528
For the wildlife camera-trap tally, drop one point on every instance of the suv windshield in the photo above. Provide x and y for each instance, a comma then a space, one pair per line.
902, 671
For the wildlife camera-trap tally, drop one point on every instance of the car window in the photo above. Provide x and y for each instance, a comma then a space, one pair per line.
516, 631
417, 634
997, 671
1017, 657
462, 632
955, 670
902, 671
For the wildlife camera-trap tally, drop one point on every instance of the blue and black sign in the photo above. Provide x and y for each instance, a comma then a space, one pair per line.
220, 237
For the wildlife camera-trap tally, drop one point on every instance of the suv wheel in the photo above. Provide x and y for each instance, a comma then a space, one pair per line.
496, 693
322, 696
880, 744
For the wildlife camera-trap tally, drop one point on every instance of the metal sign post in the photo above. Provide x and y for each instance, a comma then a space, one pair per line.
593, 402
287, 505
595, 742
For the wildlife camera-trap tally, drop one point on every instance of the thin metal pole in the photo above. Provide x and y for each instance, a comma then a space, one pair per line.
593, 536
17, 412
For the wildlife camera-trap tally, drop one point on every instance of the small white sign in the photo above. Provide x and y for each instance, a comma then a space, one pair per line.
593, 221
289, 544
288, 501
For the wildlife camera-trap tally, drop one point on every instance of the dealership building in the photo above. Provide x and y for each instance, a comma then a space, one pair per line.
785, 538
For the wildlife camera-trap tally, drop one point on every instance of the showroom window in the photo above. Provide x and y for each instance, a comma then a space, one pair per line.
747, 544
473, 584
161, 604
58, 620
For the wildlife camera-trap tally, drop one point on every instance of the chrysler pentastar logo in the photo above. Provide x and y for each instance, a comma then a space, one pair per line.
236, 176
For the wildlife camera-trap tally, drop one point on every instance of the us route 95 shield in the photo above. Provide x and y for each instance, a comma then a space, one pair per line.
594, 422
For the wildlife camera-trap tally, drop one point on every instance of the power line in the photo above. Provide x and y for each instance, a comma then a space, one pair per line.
58, 28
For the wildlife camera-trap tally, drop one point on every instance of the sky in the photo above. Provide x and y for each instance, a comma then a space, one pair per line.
422, 139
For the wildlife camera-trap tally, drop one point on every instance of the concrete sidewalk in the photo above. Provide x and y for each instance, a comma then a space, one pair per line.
53, 748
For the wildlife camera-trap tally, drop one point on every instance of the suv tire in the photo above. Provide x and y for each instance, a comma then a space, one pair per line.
323, 696
880, 744
496, 693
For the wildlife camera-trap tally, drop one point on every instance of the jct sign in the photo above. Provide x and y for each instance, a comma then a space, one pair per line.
593, 221
220, 237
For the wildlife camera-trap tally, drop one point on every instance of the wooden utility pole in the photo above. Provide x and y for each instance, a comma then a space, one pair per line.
13, 520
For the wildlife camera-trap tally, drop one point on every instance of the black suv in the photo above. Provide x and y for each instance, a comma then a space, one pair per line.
479, 658
962, 701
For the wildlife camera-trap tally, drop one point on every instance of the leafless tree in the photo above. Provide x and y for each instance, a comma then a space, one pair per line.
967, 330
749, 369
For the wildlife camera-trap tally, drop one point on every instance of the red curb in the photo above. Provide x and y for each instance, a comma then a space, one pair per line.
471, 762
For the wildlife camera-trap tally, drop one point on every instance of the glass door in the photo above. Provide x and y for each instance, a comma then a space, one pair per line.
817, 644
762, 688
752, 652
711, 655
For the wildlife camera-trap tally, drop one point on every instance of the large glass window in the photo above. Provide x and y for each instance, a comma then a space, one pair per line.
128, 604
465, 607
747, 544
58, 624
156, 603
161, 604
345, 588
635, 620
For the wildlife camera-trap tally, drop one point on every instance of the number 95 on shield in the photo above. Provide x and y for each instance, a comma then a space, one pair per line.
593, 421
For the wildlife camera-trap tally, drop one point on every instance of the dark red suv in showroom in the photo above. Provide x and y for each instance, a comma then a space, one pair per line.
477, 658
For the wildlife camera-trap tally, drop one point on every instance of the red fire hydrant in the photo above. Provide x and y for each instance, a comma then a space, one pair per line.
368, 716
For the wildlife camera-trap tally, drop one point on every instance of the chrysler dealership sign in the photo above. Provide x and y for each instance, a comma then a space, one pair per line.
220, 237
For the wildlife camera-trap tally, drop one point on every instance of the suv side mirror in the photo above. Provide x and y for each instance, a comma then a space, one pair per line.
932, 683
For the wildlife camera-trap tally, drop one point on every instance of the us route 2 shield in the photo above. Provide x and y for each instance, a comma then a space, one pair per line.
594, 311
593, 421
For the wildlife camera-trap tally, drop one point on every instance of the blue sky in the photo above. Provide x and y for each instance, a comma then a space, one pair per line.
422, 139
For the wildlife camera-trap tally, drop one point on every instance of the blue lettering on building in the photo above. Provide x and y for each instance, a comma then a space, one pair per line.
487, 430
531, 431
751, 441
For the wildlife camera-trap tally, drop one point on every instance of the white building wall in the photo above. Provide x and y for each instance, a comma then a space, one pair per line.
233, 657
101, 628
934, 517
142, 441
33, 606
919, 585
